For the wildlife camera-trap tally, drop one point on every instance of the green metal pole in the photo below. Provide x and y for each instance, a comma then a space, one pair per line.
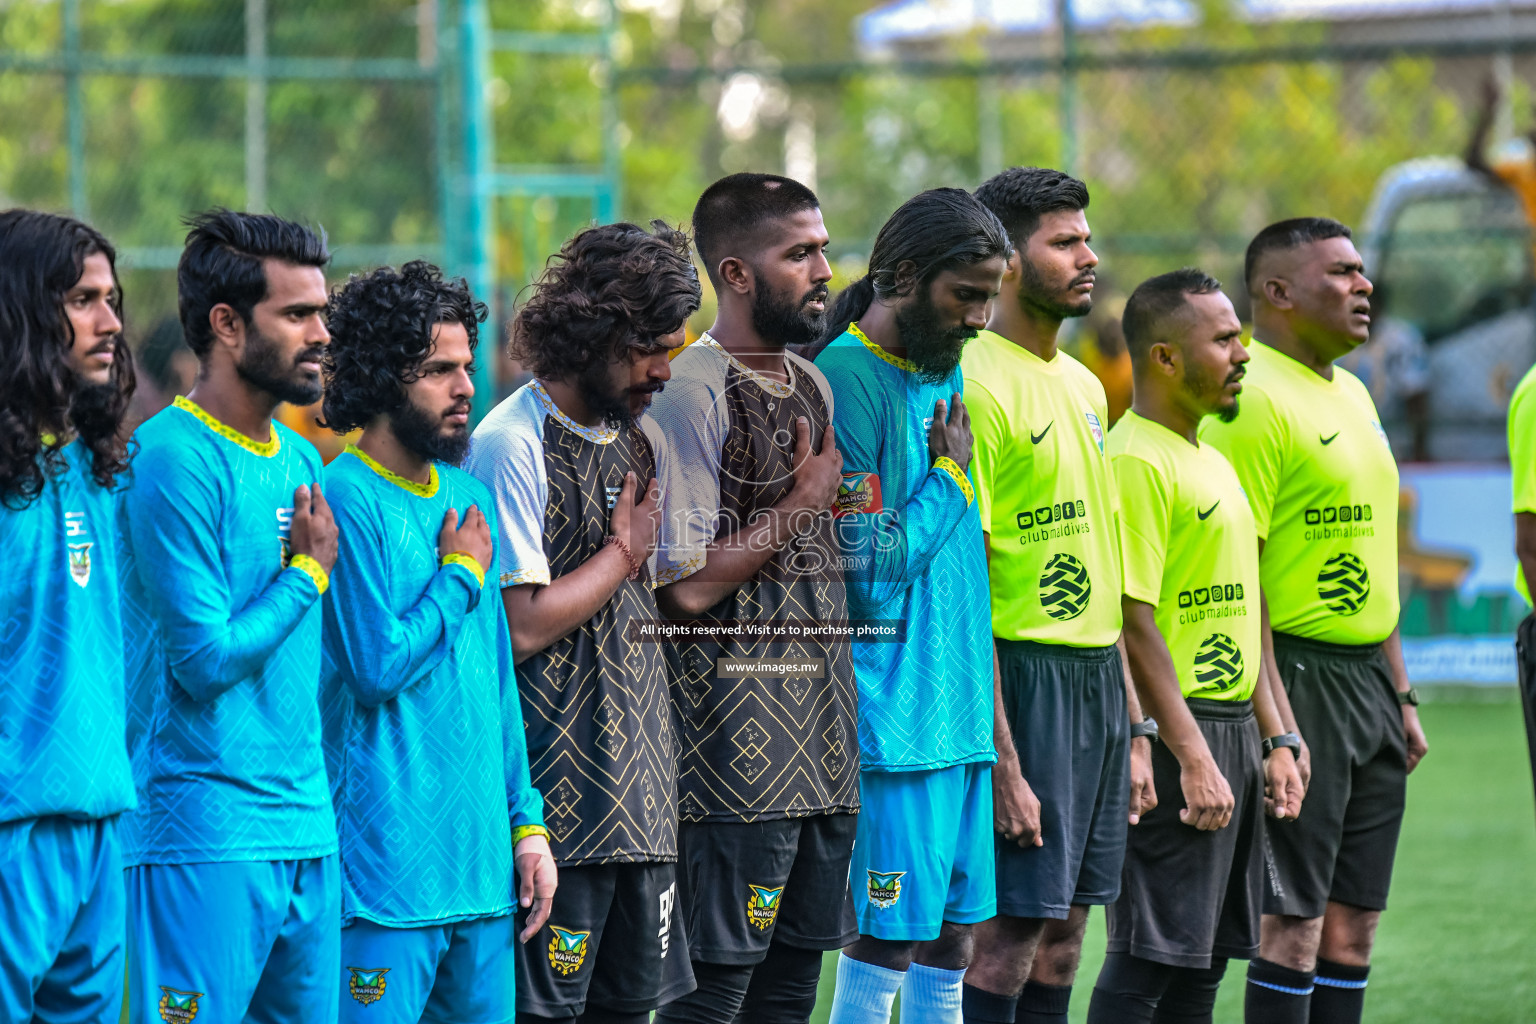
479, 159
74, 103
610, 199
447, 180
1068, 87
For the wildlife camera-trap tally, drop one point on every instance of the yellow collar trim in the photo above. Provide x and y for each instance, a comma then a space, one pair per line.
776, 388
603, 434
425, 490
229, 433
896, 361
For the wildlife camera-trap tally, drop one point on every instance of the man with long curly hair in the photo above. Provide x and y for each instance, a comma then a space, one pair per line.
420, 700
234, 901
64, 775
573, 466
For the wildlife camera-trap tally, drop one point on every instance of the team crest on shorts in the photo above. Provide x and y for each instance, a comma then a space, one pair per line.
80, 563
885, 888
367, 984
567, 950
763, 906
176, 1006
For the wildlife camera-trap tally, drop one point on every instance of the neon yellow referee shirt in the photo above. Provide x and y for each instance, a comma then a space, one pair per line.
1045, 494
1323, 487
1187, 538
1522, 456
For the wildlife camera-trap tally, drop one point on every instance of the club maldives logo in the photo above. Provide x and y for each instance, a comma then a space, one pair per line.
1344, 584
1064, 587
1218, 662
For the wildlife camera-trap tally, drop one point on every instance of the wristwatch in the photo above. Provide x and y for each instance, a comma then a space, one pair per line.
1285, 739
1146, 727
1408, 696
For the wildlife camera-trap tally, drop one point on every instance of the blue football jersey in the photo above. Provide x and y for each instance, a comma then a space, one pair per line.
910, 536
423, 730
223, 638
61, 652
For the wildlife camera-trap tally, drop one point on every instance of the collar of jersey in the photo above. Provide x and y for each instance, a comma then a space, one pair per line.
896, 361
1296, 368
600, 435
425, 490
777, 388
229, 433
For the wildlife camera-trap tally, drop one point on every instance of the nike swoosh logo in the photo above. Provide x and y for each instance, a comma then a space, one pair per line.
1037, 438
1327, 440
1207, 513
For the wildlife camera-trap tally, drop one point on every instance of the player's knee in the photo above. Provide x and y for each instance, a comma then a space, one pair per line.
891, 954
1291, 941
951, 951
1061, 949
1348, 934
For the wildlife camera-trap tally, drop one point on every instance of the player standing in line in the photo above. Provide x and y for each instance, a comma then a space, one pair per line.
1193, 633
766, 834
572, 465
424, 735
64, 775
922, 870
1522, 468
1048, 514
1320, 477
234, 900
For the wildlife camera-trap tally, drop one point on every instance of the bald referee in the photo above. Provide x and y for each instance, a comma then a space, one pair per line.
1320, 478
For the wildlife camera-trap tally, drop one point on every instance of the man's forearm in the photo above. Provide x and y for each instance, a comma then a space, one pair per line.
1392, 647
1002, 735
732, 560
1270, 671
540, 614
1157, 685
1132, 703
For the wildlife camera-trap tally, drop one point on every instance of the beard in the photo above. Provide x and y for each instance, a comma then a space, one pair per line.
1036, 296
263, 366
934, 350
600, 396
781, 320
421, 433
1198, 384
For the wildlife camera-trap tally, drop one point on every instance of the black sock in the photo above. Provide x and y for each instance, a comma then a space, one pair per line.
978, 1006
783, 989
1191, 996
719, 995
1128, 990
1339, 997
1043, 1004
1276, 995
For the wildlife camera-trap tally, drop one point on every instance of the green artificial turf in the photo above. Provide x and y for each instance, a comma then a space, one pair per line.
1459, 941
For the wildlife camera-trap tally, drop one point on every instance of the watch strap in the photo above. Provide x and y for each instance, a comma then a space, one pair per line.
1408, 697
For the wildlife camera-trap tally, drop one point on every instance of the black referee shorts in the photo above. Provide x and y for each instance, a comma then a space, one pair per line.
1190, 895
745, 885
1525, 661
1342, 846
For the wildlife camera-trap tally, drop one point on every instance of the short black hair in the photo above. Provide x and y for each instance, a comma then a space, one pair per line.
1288, 234
222, 264
381, 332
1155, 302
1020, 196
738, 204
607, 287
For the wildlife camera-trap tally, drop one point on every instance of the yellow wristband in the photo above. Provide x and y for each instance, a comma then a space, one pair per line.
956, 474
468, 561
311, 568
524, 831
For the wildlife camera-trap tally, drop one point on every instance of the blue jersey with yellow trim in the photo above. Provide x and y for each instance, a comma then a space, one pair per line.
910, 536
423, 728
61, 652
223, 639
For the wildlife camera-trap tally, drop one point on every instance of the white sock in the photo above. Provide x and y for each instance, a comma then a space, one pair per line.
930, 995
864, 992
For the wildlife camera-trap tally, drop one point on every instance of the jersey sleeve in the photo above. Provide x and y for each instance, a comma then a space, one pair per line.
989, 430
511, 466
690, 421
1144, 520
525, 804
1522, 444
888, 547
382, 653
172, 515
1255, 443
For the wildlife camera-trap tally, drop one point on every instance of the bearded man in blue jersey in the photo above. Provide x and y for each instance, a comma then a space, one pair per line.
910, 537
234, 905
424, 734
64, 776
